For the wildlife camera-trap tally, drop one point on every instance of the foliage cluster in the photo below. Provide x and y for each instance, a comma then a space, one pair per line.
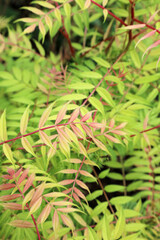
79, 130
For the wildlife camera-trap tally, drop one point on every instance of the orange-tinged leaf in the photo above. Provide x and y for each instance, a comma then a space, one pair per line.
136, 26
118, 132
18, 172
145, 122
55, 194
24, 121
112, 139
112, 122
105, 2
29, 182
104, 126
55, 221
35, 206
42, 28
44, 4
87, 4
67, 191
152, 17
34, 10
11, 171
82, 149
122, 125
86, 116
146, 138
96, 125
8, 153
45, 138
29, 29
145, 36
48, 22
105, 14
74, 115
58, 14
82, 185
79, 219
28, 197
64, 147
44, 214
27, 20
87, 174
7, 186
77, 131
21, 224
71, 171
45, 116
7, 177
9, 197
100, 145
74, 160
12, 206
61, 203
62, 134
67, 210
37, 194
27, 146
87, 130
52, 151
61, 114
80, 194
71, 135
76, 198
66, 182
23, 176
152, 46
67, 221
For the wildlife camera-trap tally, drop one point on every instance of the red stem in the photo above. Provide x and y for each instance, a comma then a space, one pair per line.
147, 130
110, 13
34, 221
148, 26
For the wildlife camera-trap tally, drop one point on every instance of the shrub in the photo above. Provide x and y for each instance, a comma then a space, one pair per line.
79, 129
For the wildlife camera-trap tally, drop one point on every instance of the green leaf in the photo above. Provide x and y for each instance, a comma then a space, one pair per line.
105, 95
106, 230
134, 227
27, 146
114, 188
81, 85
44, 4
120, 200
40, 48
101, 207
120, 225
7, 151
73, 96
148, 79
101, 62
94, 195
90, 74
97, 104
67, 9
24, 121
3, 128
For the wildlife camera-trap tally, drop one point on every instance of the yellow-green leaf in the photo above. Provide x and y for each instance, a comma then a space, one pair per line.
45, 116
24, 121
35, 206
58, 14
27, 146
3, 128
8, 153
